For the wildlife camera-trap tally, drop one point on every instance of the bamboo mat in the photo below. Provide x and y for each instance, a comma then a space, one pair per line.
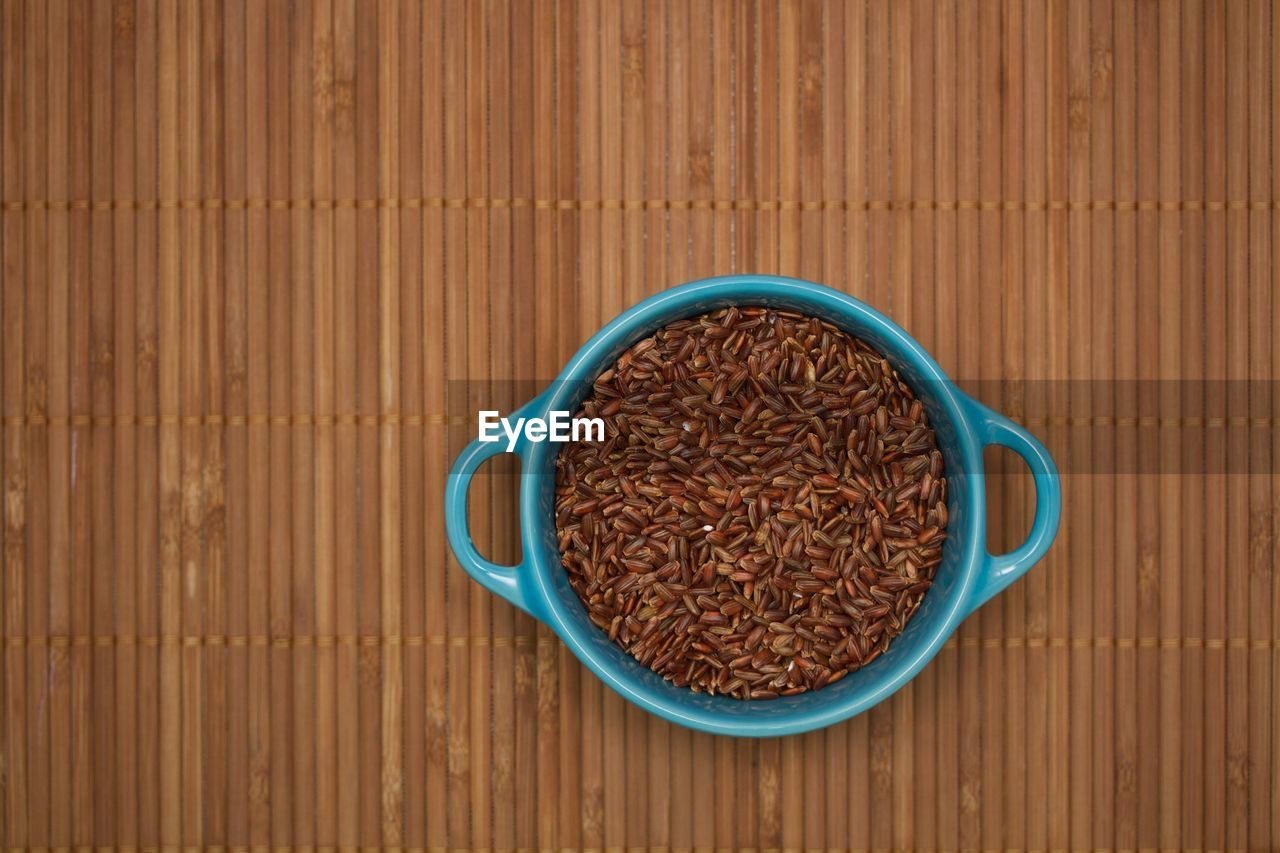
263, 261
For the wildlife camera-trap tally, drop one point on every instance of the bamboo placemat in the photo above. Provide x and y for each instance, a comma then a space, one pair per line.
263, 261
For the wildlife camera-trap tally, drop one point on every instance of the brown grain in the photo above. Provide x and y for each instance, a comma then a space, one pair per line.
767, 507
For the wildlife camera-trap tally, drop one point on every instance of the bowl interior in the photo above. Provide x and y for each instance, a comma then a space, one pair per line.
940, 610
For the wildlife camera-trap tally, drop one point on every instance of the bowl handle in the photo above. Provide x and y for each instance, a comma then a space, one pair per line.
1000, 570
503, 581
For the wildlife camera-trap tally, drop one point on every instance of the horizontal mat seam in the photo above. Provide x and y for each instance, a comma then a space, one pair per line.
440, 419
307, 640
499, 203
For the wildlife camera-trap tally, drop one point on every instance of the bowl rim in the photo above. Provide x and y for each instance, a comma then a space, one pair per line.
548, 606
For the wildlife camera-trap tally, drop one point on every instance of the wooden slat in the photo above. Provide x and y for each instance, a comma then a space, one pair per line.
1013, 812
213, 384
945, 756
59, 446
1236, 816
301, 482
1262, 511
966, 742
1193, 533
434, 318
256, 603
832, 787
322, 356
990, 812
1036, 267
347, 807
1127, 164
1102, 337
36, 345
13, 323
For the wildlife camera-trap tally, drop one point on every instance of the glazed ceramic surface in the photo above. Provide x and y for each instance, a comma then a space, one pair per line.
967, 576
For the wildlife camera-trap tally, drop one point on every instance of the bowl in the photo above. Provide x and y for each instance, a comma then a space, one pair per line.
967, 576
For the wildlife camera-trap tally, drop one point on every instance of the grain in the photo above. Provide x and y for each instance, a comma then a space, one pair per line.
766, 510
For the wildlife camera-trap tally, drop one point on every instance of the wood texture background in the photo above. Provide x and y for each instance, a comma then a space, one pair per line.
262, 261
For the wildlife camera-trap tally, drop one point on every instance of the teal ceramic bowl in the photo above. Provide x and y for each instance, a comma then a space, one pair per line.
967, 576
